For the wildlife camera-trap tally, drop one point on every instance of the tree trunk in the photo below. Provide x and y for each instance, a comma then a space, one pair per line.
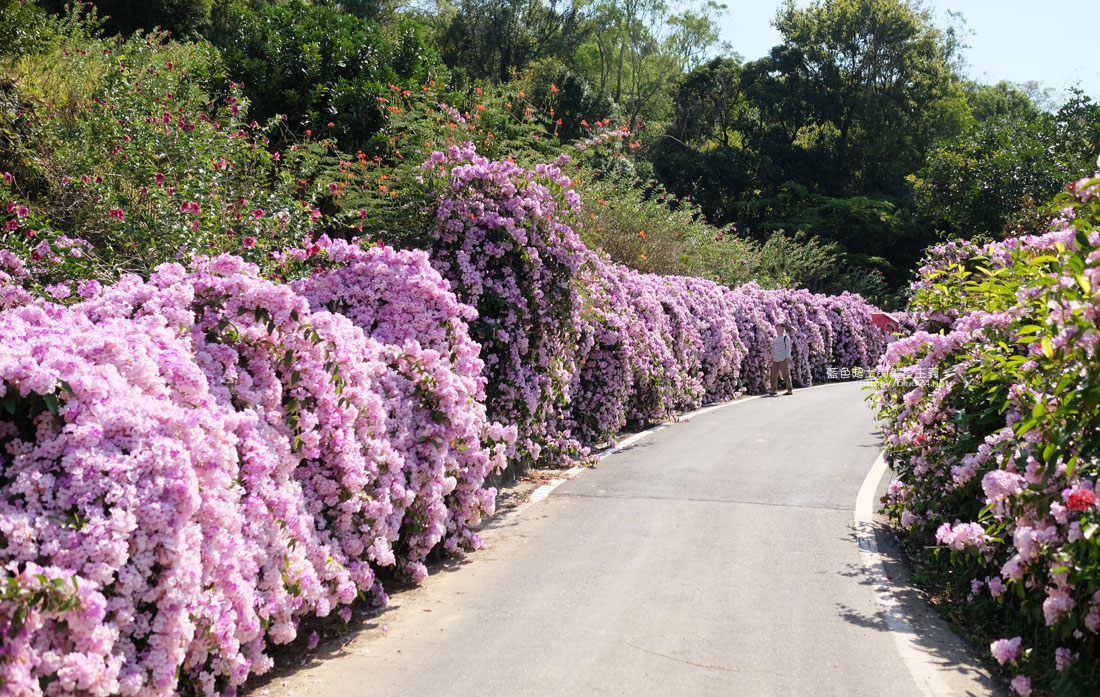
619, 80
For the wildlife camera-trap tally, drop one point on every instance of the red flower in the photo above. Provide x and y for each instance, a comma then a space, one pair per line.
1081, 500
919, 439
249, 241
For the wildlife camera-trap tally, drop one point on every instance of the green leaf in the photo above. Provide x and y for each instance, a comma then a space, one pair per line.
1048, 349
51, 403
17, 618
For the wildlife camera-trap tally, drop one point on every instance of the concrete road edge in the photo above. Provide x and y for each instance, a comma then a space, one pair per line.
941, 663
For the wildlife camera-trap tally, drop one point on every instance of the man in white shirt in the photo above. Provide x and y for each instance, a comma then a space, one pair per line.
781, 359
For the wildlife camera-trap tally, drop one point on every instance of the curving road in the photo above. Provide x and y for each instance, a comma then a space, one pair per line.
712, 557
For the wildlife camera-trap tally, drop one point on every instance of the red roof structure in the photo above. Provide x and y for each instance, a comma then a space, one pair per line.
885, 322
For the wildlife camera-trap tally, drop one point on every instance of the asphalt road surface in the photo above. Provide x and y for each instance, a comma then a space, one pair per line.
713, 557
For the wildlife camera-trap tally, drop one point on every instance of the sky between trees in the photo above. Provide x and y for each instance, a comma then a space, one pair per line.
1014, 40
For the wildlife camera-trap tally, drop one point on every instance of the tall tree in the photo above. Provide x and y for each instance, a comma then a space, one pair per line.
643, 47
181, 17
492, 38
865, 84
702, 153
993, 179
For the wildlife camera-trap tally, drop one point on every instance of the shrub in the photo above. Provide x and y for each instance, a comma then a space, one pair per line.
323, 66
193, 463
990, 412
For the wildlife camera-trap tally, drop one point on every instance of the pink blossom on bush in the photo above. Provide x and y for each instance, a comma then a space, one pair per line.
1006, 650
1022, 685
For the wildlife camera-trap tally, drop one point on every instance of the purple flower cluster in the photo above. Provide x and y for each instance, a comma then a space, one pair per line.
435, 388
503, 237
191, 463
202, 459
1003, 436
576, 347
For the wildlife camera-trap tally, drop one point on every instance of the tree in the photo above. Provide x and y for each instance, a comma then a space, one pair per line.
492, 38
643, 48
1001, 100
993, 179
864, 85
321, 65
181, 17
709, 106
702, 153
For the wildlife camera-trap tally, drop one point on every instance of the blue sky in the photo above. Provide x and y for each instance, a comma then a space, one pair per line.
1015, 40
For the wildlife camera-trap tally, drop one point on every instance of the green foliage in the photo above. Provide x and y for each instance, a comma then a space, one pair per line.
180, 17
138, 157
641, 47
493, 39
22, 27
862, 85
562, 94
819, 135
1001, 100
990, 179
323, 67
798, 261
641, 225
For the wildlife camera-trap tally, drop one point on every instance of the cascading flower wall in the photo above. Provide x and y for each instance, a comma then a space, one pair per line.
203, 460
991, 411
502, 236
191, 463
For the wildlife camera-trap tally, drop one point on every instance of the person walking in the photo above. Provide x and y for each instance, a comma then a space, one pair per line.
781, 360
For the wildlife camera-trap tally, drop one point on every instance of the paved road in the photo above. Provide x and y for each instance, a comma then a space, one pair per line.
714, 557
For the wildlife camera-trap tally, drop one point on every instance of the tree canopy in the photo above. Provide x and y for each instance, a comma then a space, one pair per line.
858, 128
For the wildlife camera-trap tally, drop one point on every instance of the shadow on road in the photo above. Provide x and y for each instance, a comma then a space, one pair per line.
932, 635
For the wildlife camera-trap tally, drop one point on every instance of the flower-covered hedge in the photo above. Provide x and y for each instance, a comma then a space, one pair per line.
502, 236
192, 462
992, 413
200, 459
